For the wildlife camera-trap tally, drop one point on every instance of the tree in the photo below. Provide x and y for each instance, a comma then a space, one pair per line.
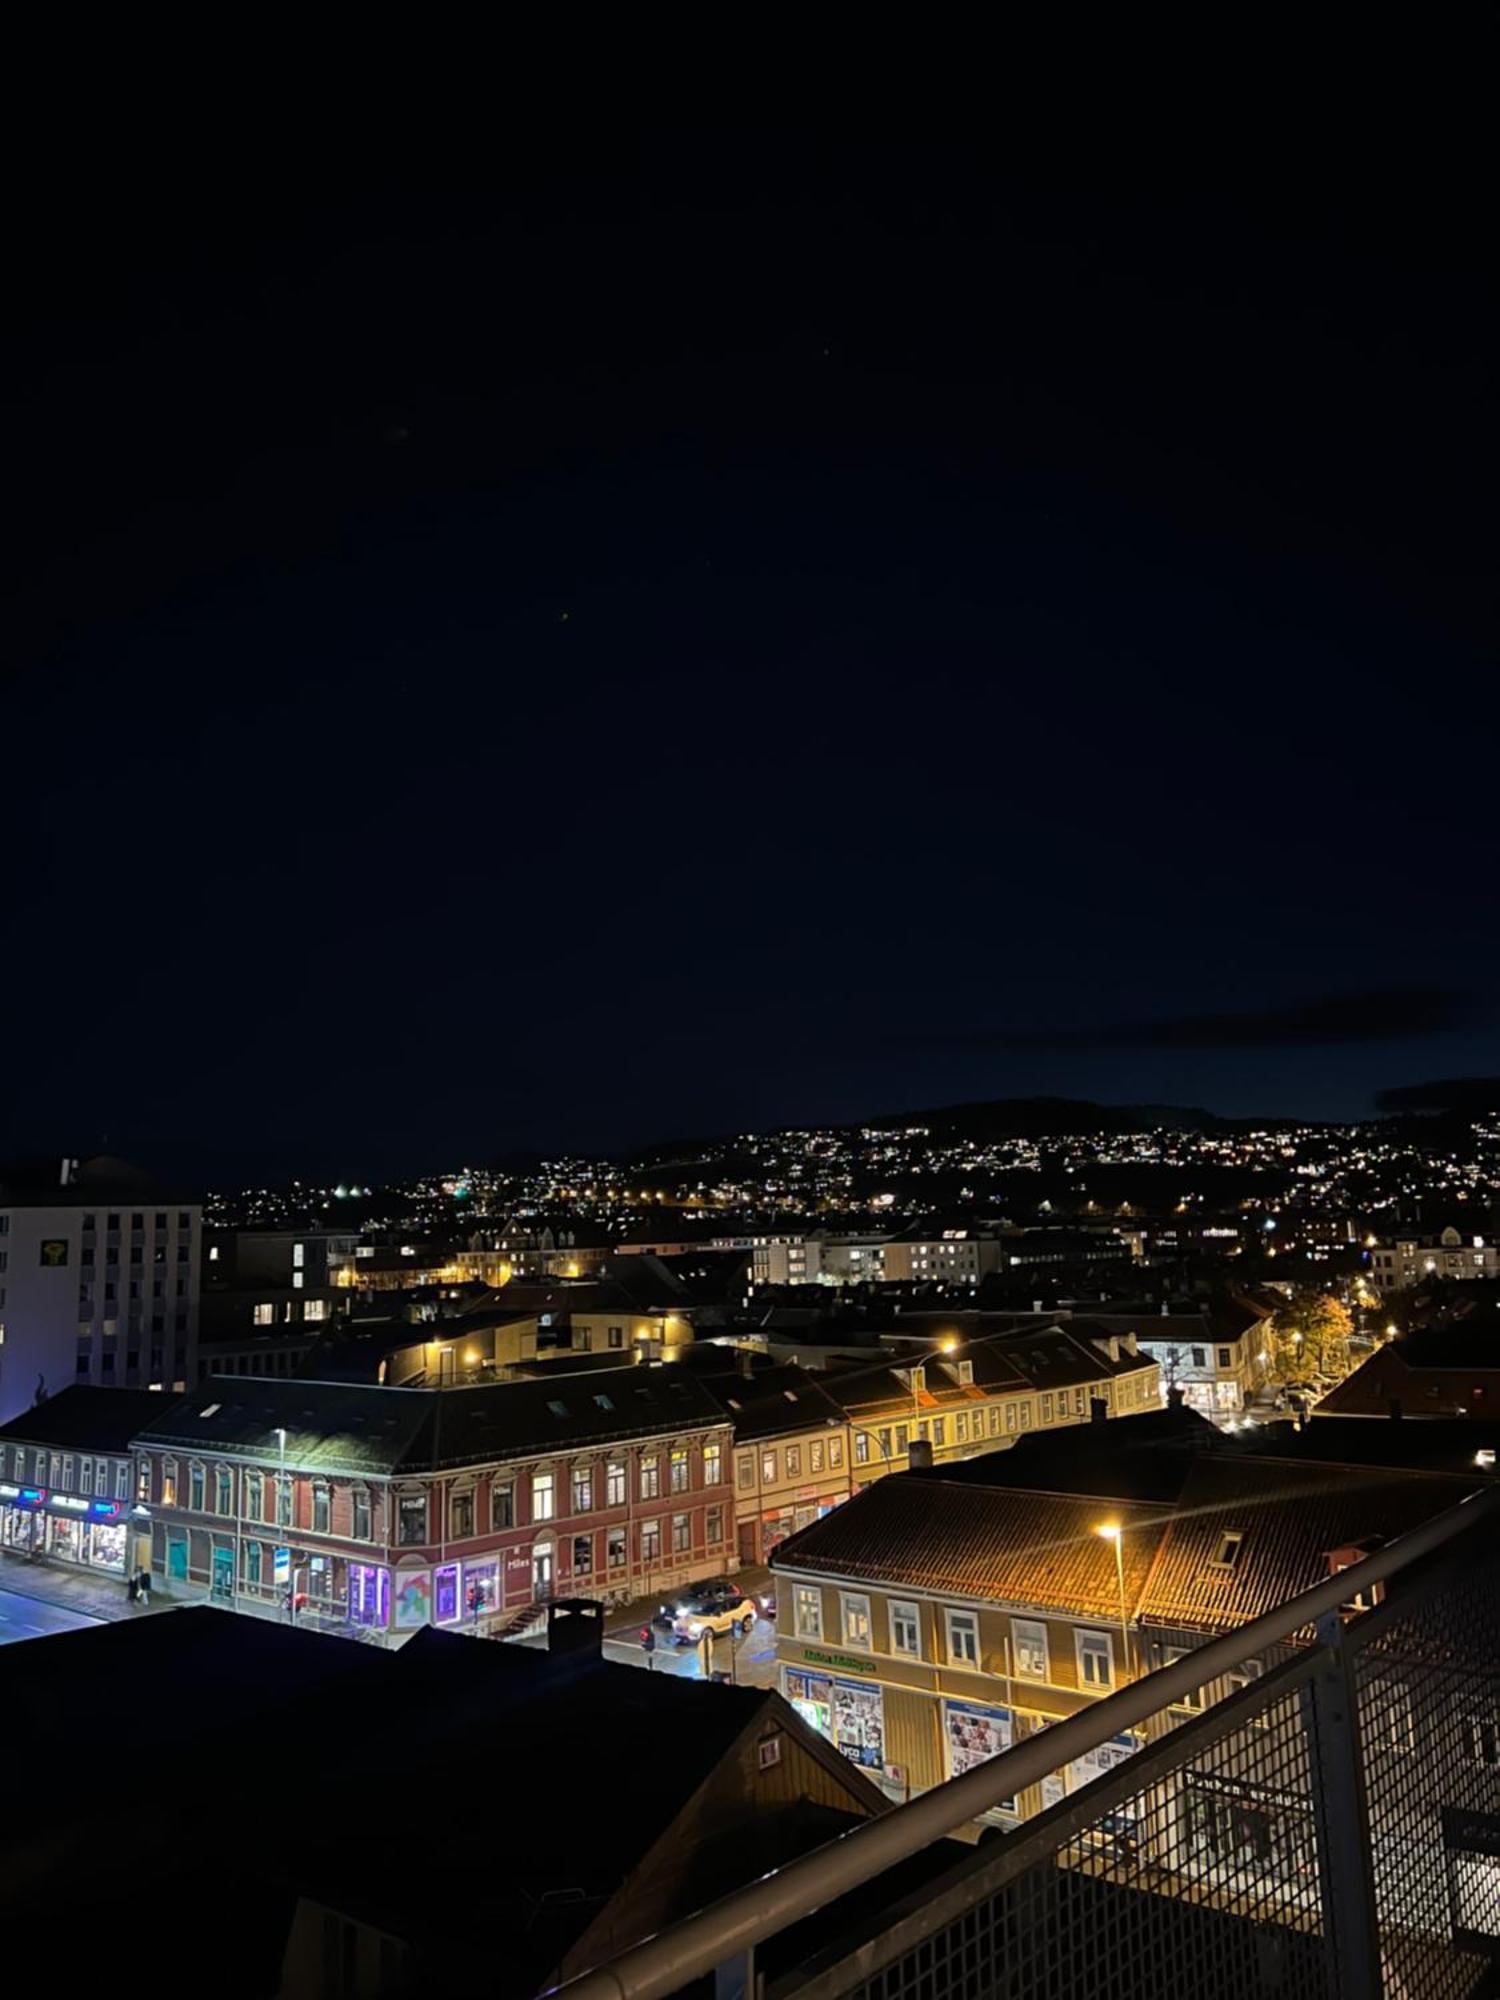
1310, 1336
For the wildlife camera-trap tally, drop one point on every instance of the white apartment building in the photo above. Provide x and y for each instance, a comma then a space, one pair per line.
954, 1257
1410, 1259
99, 1278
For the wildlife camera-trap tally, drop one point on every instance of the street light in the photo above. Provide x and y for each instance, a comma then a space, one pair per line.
1113, 1532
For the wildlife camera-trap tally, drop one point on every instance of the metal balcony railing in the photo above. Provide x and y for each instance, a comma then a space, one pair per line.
1332, 1829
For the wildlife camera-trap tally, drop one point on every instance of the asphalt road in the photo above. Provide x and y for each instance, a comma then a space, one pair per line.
754, 1657
24, 1617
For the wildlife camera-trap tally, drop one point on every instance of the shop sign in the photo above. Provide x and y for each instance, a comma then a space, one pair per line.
518, 1559
107, 1509
33, 1495
850, 1714
10, 1492
72, 1501
839, 1660
281, 1567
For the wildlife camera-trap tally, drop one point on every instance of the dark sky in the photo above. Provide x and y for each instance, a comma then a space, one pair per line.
653, 635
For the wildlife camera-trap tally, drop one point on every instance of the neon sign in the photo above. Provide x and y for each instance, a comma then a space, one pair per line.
35, 1494
106, 1507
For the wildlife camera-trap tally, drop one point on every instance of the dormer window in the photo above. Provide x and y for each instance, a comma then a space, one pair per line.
1227, 1553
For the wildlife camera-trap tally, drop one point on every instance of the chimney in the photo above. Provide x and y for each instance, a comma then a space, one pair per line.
1176, 1396
575, 1628
919, 1455
1037, 1307
744, 1361
1098, 1410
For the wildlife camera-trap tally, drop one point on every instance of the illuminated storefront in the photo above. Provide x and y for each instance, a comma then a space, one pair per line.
66, 1527
850, 1714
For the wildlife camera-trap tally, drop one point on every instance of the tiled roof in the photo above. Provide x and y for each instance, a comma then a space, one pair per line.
1009, 1547
1290, 1517
358, 1427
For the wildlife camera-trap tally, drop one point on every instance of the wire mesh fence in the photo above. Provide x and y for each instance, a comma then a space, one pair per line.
1331, 1829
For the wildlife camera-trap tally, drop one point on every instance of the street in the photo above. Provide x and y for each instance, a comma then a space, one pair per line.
754, 1657
23, 1617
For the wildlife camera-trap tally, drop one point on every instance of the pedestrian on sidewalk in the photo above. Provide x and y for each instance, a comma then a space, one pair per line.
133, 1587
146, 1588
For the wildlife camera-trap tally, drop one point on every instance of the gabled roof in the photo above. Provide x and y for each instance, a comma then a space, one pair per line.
1144, 1457
999, 1545
357, 1427
1290, 1518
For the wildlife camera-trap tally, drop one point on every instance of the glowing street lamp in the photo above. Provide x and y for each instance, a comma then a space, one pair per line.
1113, 1532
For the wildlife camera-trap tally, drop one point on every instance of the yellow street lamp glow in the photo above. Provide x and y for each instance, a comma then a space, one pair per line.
1110, 1530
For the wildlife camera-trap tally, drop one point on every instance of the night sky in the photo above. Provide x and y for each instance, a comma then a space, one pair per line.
698, 634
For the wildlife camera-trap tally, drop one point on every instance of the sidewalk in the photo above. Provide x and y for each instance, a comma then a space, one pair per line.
88, 1592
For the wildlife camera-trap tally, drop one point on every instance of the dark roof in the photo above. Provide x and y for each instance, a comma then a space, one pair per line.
1142, 1457
539, 1875
1291, 1518
1006, 1546
774, 1400
1432, 1444
356, 1427
92, 1419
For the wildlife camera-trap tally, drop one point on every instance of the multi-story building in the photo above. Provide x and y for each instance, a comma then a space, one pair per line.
935, 1620
1219, 1355
956, 1256
68, 1479
1409, 1260
786, 1260
973, 1395
1448, 1370
397, 1508
99, 1276
791, 1452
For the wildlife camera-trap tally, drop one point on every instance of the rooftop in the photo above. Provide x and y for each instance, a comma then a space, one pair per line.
358, 1427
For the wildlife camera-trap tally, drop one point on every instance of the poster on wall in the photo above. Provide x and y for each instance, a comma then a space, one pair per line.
413, 1597
850, 1714
975, 1734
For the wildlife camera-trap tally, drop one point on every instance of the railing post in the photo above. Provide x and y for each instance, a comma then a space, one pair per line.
734, 1979
1341, 1815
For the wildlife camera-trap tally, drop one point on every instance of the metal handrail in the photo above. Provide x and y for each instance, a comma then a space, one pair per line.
662, 1965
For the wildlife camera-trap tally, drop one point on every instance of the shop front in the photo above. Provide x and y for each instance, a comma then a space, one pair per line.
65, 1527
850, 1714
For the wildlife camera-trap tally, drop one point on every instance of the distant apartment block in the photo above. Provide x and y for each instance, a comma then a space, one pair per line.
1411, 1259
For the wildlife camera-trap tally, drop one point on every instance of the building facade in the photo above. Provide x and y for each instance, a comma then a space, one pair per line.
392, 1509
99, 1280
68, 1480
1409, 1260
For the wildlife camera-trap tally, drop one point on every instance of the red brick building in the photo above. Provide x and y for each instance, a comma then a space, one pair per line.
398, 1508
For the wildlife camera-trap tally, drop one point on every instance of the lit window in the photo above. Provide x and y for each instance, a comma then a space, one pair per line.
807, 1611
583, 1489
650, 1475
1029, 1638
906, 1628
963, 1637
854, 1608
264, 1315
1096, 1660
542, 1496
315, 1309
678, 1469
713, 1464
614, 1484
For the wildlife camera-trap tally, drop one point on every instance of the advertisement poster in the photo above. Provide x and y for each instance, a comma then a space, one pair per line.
851, 1714
413, 1597
975, 1734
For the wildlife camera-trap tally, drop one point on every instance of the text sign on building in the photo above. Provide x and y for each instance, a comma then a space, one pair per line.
839, 1660
281, 1570
54, 1253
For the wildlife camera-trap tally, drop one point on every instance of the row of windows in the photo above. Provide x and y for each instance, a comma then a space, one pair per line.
138, 1220
820, 1452
1029, 1649
974, 1426
137, 1255
103, 1477
215, 1495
